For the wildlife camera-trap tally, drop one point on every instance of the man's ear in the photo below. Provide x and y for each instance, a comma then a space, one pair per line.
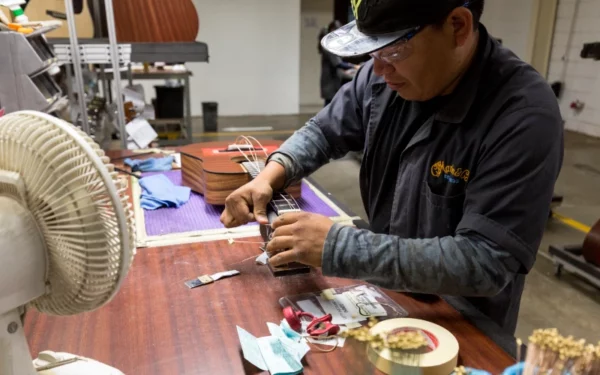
461, 22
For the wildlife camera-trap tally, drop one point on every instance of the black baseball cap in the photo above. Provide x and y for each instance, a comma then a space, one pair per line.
379, 23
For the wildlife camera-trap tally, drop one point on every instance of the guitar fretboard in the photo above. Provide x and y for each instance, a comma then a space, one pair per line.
251, 167
281, 202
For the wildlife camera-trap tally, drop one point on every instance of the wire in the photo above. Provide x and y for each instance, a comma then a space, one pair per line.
323, 339
232, 241
253, 159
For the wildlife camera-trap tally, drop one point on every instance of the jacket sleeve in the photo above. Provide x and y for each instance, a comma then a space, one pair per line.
463, 265
336, 130
506, 207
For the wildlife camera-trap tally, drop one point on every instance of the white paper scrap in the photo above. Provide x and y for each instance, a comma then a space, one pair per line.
341, 309
366, 303
141, 132
368, 289
251, 349
262, 258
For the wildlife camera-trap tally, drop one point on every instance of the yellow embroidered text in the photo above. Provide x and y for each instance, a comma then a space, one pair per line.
440, 167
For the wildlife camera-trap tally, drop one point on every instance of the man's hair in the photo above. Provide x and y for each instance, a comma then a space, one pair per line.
475, 6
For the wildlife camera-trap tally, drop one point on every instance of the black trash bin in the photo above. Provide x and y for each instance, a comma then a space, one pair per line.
169, 102
209, 116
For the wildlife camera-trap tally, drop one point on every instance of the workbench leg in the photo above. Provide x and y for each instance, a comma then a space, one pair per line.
129, 75
558, 269
188, 110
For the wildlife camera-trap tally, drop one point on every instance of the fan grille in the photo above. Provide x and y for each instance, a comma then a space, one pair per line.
80, 206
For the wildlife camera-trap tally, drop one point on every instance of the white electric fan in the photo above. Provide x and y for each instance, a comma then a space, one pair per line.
66, 228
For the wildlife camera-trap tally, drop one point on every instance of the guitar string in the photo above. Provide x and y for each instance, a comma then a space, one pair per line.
246, 141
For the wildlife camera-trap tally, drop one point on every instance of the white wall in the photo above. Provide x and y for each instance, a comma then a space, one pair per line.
254, 48
580, 77
315, 14
511, 21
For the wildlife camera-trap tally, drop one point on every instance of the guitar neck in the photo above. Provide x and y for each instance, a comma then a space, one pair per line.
281, 201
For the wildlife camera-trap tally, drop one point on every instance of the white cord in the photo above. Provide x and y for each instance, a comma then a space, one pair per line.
232, 241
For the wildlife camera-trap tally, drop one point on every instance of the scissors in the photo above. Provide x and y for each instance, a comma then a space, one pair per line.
318, 327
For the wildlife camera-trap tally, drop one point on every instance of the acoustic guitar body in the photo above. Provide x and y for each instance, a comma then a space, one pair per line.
591, 245
52, 10
155, 21
209, 169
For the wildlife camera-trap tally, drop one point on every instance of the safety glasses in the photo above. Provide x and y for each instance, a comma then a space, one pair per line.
398, 51
401, 49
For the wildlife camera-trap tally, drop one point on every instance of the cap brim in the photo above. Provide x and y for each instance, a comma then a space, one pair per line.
348, 41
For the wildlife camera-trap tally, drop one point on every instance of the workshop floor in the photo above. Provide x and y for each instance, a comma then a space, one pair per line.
569, 303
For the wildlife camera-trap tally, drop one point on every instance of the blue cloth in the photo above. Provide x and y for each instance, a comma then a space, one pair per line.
515, 369
158, 191
150, 165
472, 371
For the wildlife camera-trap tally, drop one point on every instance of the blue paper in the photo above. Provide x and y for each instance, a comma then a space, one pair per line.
277, 353
158, 191
150, 164
515, 369
250, 349
289, 332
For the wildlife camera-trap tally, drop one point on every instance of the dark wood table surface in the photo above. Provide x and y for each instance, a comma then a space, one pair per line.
156, 325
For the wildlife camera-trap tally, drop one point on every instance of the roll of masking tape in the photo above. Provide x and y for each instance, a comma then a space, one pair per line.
440, 357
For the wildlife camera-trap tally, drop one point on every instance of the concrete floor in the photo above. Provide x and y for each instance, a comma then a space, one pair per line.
570, 304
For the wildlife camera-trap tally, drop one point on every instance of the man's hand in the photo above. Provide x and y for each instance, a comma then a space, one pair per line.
248, 203
299, 237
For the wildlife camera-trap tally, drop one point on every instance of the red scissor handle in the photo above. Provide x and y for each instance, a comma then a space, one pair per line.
322, 327
317, 327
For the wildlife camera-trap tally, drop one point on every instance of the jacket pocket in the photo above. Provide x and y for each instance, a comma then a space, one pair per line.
439, 215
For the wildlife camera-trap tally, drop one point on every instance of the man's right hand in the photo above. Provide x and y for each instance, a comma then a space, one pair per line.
248, 203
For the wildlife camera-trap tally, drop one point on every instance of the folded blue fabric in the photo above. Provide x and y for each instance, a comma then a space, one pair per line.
158, 191
150, 165
515, 369
473, 371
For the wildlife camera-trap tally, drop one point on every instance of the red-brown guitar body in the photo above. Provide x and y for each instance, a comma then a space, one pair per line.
213, 171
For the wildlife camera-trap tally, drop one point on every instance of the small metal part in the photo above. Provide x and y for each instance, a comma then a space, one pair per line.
12, 327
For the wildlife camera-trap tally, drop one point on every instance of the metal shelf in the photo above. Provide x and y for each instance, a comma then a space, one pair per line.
154, 52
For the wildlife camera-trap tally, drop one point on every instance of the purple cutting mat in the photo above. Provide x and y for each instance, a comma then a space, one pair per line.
196, 215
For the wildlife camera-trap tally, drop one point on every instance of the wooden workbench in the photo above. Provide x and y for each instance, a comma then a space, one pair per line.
156, 325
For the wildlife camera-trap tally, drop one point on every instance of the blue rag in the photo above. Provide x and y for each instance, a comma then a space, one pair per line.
473, 371
515, 369
158, 191
150, 165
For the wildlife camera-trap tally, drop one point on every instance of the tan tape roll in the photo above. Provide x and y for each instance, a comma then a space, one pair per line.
440, 360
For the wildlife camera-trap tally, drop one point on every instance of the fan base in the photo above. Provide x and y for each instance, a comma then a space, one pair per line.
14, 355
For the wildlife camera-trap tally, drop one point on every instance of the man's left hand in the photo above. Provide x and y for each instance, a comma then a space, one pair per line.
298, 237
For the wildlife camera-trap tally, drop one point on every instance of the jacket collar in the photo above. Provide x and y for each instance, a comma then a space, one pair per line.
456, 109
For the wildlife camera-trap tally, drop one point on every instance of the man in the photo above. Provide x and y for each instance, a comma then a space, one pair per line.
462, 146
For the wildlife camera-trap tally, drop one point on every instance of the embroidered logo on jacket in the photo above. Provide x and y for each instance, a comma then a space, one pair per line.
450, 172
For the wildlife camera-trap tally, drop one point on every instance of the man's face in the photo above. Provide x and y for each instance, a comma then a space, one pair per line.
435, 56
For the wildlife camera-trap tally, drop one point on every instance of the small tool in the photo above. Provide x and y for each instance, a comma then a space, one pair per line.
318, 327
208, 279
